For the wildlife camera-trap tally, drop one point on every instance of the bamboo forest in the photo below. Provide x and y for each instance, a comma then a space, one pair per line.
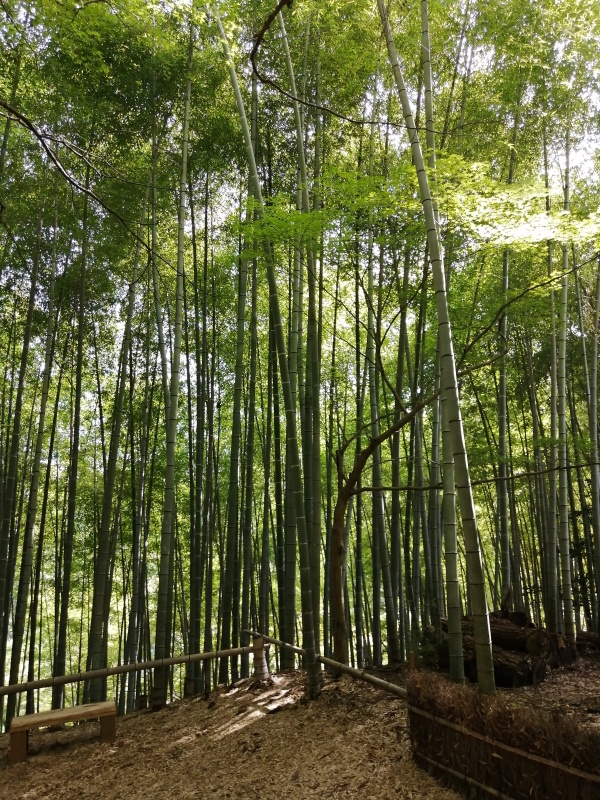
299, 334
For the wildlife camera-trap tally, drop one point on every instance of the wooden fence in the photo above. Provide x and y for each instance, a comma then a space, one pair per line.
490, 768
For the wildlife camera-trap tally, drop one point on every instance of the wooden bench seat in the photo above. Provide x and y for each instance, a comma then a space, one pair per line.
106, 712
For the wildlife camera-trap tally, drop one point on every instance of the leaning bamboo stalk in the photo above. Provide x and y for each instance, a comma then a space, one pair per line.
360, 674
61, 680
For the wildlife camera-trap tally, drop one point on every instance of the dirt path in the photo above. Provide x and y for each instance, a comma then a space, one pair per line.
263, 741
246, 742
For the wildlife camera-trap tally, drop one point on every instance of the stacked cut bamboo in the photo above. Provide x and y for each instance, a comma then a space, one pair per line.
521, 651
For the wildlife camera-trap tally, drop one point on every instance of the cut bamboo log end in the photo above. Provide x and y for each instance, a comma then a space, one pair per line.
521, 653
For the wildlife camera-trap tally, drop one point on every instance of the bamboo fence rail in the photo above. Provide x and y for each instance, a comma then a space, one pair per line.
135, 666
359, 674
105, 672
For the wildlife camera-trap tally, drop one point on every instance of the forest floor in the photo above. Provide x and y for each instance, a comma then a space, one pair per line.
262, 741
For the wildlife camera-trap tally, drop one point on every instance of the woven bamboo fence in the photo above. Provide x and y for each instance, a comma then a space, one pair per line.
546, 759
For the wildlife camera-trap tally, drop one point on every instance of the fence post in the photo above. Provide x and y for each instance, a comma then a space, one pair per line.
261, 668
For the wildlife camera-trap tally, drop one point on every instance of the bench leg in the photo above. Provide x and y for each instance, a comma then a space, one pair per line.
18, 746
108, 728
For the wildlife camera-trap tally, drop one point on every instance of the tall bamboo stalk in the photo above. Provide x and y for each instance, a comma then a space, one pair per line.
164, 608
483, 646
290, 412
563, 503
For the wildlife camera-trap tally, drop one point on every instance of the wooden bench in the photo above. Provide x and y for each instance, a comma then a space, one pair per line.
20, 726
